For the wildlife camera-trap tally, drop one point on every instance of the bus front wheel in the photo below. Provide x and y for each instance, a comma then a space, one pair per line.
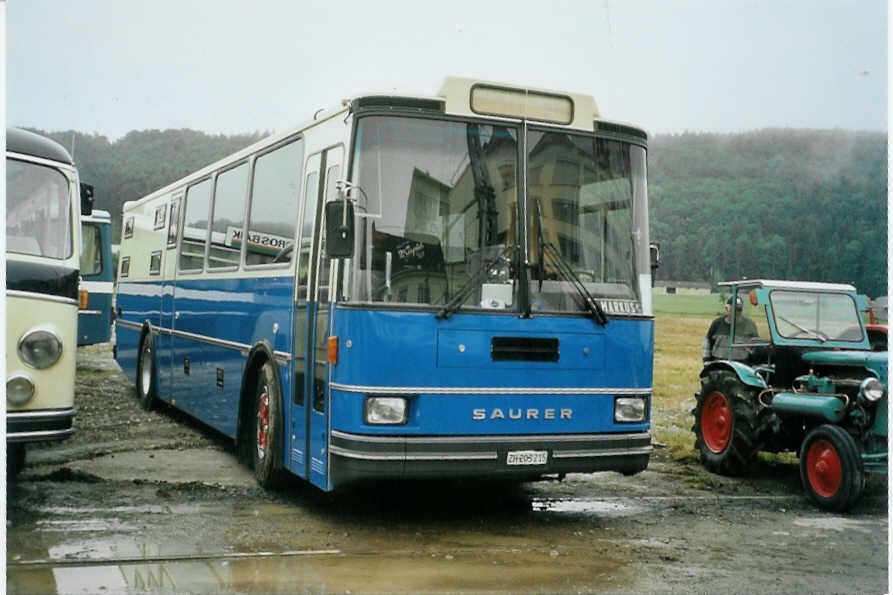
145, 373
267, 428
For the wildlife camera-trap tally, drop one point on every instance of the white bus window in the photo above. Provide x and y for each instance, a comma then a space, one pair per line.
274, 205
195, 226
226, 222
38, 210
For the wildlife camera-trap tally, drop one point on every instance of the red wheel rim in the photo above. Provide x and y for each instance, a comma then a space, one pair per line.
716, 422
263, 423
823, 468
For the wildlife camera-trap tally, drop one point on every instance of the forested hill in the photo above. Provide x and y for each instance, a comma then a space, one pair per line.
797, 204
805, 205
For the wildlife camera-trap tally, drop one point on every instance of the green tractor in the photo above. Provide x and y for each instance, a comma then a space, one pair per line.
805, 375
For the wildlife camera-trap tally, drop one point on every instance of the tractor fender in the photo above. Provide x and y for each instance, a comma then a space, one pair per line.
745, 373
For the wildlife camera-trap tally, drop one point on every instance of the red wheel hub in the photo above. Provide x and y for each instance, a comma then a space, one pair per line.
716, 422
263, 420
823, 468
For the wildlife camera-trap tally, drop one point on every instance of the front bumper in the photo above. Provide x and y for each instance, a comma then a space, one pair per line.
40, 425
356, 457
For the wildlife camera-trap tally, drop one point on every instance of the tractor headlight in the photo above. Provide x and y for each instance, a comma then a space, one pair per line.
871, 389
19, 390
40, 348
630, 409
385, 410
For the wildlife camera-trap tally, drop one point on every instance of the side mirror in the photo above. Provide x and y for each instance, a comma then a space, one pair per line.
654, 248
339, 229
86, 199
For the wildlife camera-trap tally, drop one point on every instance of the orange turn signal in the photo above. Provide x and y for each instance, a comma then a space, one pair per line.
753, 297
82, 299
333, 350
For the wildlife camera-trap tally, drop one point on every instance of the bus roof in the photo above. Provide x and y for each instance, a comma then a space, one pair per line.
455, 95
30, 143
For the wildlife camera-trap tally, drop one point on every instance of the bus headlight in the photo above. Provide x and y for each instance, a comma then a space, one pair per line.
630, 409
19, 390
871, 389
40, 348
385, 410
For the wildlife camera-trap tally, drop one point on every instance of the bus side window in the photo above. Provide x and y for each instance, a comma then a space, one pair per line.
173, 223
226, 222
195, 226
275, 195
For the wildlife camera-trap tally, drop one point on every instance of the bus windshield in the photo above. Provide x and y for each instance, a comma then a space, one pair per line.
440, 199
439, 223
38, 210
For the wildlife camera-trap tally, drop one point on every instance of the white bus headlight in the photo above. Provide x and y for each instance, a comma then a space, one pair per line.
385, 410
40, 348
630, 409
871, 389
19, 390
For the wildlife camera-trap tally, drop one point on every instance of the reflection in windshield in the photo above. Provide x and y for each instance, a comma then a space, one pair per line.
822, 316
440, 198
38, 210
585, 190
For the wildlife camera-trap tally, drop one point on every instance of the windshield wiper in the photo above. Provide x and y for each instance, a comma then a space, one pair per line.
454, 304
595, 309
815, 334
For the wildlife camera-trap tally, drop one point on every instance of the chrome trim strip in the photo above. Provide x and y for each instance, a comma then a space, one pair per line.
350, 454
90, 312
38, 436
281, 357
41, 414
496, 439
134, 326
642, 450
484, 390
40, 296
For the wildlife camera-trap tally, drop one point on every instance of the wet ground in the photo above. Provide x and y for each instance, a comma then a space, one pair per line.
153, 502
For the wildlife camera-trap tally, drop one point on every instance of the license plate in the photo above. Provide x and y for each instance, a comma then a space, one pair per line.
527, 457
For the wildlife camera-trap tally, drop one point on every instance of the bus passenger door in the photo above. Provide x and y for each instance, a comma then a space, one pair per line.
312, 319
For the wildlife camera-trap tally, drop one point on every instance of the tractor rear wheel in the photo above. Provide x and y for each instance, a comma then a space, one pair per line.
727, 425
831, 468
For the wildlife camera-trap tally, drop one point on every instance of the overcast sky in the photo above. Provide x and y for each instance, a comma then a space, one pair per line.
111, 66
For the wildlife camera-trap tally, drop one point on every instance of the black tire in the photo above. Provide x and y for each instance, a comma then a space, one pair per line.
727, 423
146, 392
15, 459
831, 468
267, 420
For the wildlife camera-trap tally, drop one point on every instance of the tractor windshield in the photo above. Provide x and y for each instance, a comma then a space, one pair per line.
821, 316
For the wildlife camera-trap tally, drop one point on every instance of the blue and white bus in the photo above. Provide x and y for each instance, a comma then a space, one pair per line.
97, 278
44, 203
406, 287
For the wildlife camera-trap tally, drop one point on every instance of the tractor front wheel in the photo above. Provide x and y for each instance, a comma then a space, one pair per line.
831, 468
727, 429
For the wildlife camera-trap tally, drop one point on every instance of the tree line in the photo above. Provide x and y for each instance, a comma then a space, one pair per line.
807, 205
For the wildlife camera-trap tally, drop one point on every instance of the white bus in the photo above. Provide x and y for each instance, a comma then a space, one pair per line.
44, 202
405, 287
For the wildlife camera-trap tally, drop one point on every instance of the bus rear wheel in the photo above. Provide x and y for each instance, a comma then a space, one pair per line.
145, 373
831, 468
268, 421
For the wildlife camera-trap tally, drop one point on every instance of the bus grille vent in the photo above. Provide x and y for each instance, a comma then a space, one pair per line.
523, 349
